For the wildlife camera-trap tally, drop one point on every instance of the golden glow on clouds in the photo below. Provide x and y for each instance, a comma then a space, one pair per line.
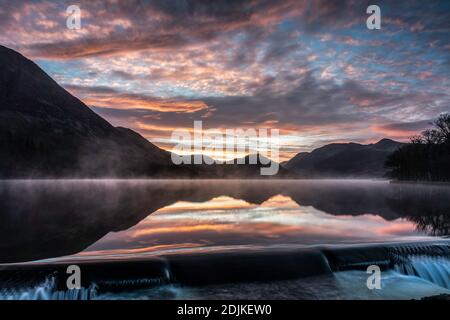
123, 103
292, 65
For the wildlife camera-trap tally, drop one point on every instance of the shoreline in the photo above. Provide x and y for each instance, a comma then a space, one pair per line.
437, 183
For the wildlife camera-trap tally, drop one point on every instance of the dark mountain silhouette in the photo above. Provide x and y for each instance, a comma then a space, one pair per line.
344, 160
253, 164
240, 168
47, 132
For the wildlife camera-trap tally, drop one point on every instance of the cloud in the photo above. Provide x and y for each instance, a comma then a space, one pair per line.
315, 109
118, 27
309, 68
111, 98
404, 130
416, 126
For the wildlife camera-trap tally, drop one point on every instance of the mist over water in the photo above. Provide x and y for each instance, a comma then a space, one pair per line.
189, 225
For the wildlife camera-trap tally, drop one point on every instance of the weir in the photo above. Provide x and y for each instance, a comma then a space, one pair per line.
428, 261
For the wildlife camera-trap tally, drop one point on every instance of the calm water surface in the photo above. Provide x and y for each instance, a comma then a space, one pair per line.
104, 220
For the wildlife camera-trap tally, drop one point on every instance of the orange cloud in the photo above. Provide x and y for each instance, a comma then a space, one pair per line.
130, 102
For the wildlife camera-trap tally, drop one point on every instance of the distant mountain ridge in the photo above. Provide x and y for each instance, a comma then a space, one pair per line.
350, 160
45, 132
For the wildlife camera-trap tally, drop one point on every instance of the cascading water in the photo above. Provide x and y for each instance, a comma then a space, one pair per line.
410, 271
435, 269
47, 291
52, 287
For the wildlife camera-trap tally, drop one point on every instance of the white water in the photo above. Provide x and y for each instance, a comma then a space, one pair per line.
47, 291
421, 276
433, 269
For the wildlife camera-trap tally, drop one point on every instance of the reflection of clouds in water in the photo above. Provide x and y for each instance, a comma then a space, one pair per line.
223, 221
66, 217
222, 202
284, 211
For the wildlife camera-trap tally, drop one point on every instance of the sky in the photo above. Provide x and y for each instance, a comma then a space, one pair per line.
311, 69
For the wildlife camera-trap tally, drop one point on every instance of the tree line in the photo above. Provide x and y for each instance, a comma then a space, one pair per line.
426, 158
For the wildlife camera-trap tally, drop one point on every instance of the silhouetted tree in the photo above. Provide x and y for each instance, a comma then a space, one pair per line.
426, 158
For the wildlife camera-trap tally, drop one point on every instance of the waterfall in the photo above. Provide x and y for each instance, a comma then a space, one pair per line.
429, 261
47, 291
435, 269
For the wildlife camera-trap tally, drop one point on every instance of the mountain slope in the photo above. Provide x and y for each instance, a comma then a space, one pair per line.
344, 160
45, 131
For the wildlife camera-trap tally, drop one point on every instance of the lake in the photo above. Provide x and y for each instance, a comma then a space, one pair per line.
182, 239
